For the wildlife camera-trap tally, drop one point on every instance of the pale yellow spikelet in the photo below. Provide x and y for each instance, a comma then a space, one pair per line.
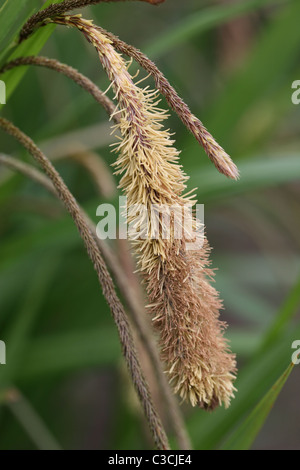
183, 304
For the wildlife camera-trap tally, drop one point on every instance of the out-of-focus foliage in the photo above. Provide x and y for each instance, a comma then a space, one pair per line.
234, 63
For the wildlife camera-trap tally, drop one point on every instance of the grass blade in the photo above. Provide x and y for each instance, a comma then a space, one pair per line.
12, 19
32, 46
256, 173
285, 315
200, 22
245, 434
62, 353
209, 431
261, 67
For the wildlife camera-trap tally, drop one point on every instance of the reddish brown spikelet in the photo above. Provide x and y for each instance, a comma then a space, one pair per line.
215, 152
183, 304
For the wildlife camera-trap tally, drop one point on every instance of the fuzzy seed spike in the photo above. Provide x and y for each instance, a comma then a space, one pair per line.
184, 306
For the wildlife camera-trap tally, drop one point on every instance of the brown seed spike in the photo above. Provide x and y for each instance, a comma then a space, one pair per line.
215, 152
184, 306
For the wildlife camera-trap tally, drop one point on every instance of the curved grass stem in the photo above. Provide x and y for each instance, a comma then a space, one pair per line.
68, 5
69, 72
136, 308
117, 310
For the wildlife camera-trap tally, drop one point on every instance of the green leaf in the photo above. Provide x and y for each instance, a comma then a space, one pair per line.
62, 353
256, 173
245, 434
260, 76
254, 380
20, 331
288, 310
12, 20
31, 46
33, 424
200, 22
243, 343
52, 235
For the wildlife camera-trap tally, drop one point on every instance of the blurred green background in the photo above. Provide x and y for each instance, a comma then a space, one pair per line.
234, 64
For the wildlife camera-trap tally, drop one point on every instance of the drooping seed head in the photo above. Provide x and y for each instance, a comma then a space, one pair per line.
182, 302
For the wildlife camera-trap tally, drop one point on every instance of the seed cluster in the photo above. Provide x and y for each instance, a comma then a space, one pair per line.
182, 302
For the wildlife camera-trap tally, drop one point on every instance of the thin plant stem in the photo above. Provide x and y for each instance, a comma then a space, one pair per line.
29, 171
117, 310
29, 419
68, 5
132, 299
69, 72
